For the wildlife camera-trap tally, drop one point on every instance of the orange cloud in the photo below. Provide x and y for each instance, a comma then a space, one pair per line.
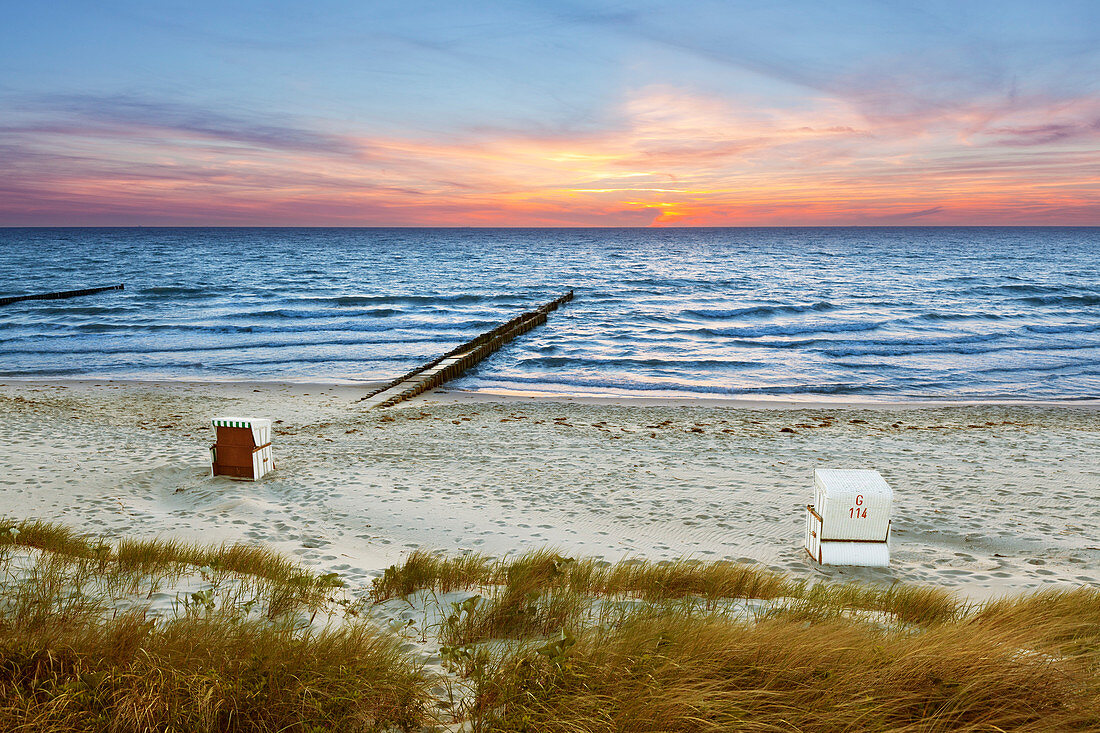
672, 159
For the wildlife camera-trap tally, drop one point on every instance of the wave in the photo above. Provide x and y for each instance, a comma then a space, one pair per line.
897, 346
1087, 368
340, 326
408, 360
620, 386
1061, 300
909, 389
810, 343
60, 308
44, 372
344, 316
936, 316
1067, 328
176, 290
958, 350
157, 328
663, 286
760, 310
319, 313
292, 313
792, 330
75, 332
1029, 288
416, 299
148, 349
628, 362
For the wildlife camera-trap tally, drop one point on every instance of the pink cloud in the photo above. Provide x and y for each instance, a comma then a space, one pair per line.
671, 159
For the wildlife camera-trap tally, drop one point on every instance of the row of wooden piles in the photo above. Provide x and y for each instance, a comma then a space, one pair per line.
59, 295
458, 360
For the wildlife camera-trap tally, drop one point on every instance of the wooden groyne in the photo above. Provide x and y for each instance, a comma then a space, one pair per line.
458, 360
59, 295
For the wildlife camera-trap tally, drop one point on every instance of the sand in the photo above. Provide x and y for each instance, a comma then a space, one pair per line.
989, 499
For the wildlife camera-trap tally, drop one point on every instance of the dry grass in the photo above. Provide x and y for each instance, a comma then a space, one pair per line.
899, 603
546, 577
674, 646
56, 538
149, 555
515, 613
683, 672
717, 580
544, 568
427, 571
576, 645
125, 565
1067, 620
236, 656
205, 674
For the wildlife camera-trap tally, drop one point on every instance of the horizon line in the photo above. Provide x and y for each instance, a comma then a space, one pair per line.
596, 226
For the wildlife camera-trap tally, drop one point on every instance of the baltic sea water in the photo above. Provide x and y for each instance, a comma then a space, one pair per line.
839, 313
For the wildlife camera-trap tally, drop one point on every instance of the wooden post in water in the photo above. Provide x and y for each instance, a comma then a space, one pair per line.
456, 361
58, 295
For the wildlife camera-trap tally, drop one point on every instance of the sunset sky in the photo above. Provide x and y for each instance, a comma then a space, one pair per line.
550, 113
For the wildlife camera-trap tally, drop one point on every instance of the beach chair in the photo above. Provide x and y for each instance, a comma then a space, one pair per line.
242, 448
849, 521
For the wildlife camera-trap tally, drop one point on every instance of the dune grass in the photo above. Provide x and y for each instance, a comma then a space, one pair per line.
643, 578
56, 538
429, 571
154, 555
127, 564
204, 674
540, 642
684, 672
898, 603
545, 573
557, 644
239, 655
1066, 619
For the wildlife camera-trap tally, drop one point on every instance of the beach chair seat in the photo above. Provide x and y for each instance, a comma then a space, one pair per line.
849, 521
242, 448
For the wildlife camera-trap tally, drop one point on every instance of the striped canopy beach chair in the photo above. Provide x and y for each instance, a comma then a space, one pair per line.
242, 448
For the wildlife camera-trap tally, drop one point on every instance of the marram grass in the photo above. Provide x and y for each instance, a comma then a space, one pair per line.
541, 642
657, 582
205, 674
238, 656
686, 672
556, 644
148, 555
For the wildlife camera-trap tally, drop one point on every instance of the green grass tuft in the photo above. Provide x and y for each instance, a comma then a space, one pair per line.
427, 571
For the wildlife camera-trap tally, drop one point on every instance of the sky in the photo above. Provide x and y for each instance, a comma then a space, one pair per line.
549, 113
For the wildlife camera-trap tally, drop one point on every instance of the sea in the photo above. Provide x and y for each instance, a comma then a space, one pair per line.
834, 314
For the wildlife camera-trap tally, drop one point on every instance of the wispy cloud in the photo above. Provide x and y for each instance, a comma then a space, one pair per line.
117, 115
671, 157
1047, 133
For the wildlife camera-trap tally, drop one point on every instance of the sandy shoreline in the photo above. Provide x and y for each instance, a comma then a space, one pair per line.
354, 391
989, 498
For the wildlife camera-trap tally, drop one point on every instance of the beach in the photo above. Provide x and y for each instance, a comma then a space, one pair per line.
556, 367
990, 499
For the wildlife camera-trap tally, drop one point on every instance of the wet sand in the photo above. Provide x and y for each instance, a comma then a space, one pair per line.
989, 499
